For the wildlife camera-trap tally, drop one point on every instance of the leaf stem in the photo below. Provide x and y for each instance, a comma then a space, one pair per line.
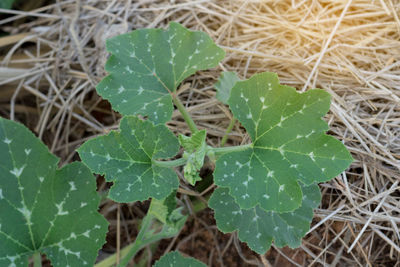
140, 241
171, 163
186, 116
229, 149
37, 260
146, 237
228, 131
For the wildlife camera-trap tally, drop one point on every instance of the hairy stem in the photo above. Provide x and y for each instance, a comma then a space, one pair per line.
140, 241
186, 116
229, 149
215, 150
37, 260
111, 260
171, 163
228, 131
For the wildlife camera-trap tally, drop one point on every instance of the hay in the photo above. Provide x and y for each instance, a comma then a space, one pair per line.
351, 49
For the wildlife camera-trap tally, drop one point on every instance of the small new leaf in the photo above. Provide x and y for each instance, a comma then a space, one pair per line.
195, 151
44, 209
257, 227
171, 218
147, 65
165, 211
126, 157
163, 208
224, 85
177, 260
288, 144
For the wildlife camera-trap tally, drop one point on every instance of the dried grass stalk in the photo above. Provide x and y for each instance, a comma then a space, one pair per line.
349, 48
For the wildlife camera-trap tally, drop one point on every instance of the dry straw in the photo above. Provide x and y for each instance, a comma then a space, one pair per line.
55, 55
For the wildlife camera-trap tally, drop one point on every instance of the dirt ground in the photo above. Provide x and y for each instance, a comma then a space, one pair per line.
53, 55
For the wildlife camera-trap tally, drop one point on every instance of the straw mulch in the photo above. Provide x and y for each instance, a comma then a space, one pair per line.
55, 56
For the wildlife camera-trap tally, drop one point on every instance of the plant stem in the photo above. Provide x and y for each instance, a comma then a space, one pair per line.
140, 242
171, 163
145, 257
229, 149
110, 260
228, 131
131, 253
185, 114
37, 260
135, 247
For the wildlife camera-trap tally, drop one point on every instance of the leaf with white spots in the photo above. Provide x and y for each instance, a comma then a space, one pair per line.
289, 144
224, 85
147, 65
44, 209
175, 259
257, 227
126, 157
195, 151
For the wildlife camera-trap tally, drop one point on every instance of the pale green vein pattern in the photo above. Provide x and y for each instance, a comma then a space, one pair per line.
147, 65
175, 259
224, 85
44, 209
126, 157
257, 227
288, 144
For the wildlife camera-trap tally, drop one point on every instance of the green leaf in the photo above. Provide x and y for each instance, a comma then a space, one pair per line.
6, 4
224, 85
165, 211
175, 259
162, 209
288, 144
147, 65
45, 209
193, 143
126, 157
171, 218
195, 151
258, 227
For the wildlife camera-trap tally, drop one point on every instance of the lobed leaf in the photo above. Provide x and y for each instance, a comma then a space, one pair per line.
224, 85
147, 65
257, 227
45, 209
195, 151
177, 260
289, 144
127, 159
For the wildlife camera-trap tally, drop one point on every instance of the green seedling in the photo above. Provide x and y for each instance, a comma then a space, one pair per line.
266, 189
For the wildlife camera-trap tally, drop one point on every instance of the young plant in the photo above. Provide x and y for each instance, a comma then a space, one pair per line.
45, 210
267, 189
